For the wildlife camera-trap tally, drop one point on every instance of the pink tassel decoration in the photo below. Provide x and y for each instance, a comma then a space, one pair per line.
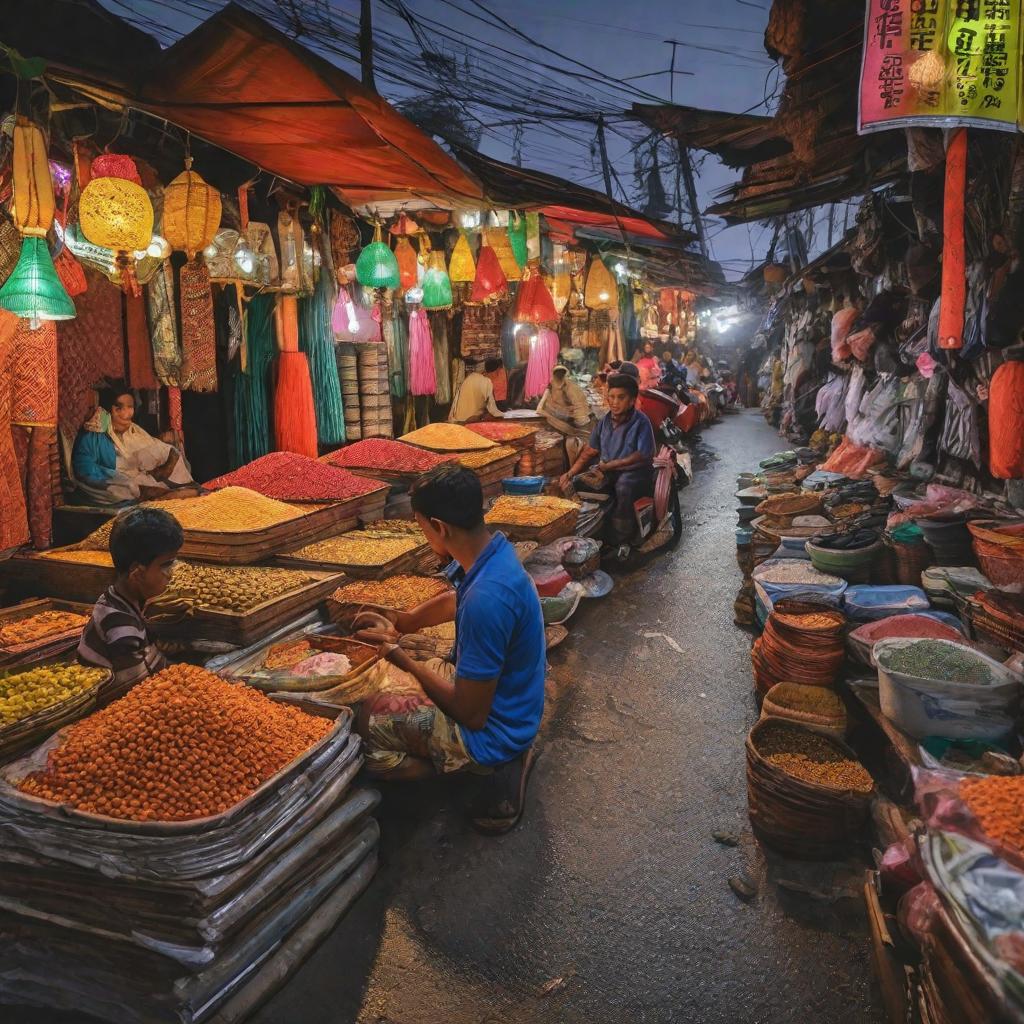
422, 378
543, 359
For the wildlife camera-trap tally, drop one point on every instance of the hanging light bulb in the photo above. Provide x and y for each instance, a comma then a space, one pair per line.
159, 248
620, 269
243, 256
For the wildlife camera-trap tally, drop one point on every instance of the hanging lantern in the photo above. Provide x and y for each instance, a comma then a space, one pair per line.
534, 304
405, 225
33, 291
377, 266
517, 237
462, 266
437, 287
601, 292
560, 285
116, 213
33, 206
192, 212
490, 281
499, 241
408, 263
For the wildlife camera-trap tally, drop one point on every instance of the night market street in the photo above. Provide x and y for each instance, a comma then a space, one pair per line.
613, 882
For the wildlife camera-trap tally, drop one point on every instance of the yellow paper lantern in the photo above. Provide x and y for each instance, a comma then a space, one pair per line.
601, 291
192, 212
462, 266
498, 240
32, 210
117, 214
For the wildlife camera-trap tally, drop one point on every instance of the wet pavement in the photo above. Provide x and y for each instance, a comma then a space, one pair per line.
611, 900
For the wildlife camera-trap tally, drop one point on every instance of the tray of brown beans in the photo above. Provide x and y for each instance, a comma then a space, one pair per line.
402, 593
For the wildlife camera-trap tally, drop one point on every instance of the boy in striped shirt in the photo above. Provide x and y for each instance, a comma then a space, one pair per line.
143, 545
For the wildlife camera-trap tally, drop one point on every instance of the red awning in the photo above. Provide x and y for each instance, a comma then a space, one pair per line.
242, 85
564, 219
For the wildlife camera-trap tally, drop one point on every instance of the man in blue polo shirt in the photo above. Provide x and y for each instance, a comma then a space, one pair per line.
622, 443
483, 710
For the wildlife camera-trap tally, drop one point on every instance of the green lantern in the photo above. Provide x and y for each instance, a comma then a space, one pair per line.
517, 236
437, 285
33, 291
377, 266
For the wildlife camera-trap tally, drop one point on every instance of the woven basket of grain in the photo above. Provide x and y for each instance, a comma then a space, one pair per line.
806, 705
797, 817
790, 505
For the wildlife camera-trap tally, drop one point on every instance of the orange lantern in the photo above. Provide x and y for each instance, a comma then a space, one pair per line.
191, 213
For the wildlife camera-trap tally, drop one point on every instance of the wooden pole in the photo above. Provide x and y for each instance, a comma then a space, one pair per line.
366, 42
954, 263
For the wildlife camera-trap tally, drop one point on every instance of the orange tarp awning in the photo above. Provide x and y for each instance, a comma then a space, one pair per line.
564, 216
242, 85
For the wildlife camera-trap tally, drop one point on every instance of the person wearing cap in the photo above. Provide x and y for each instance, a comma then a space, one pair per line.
622, 446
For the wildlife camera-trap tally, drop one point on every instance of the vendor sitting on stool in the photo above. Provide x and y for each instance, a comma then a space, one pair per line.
622, 442
474, 399
115, 460
483, 711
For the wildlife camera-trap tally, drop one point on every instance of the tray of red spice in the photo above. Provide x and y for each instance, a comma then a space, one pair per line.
517, 435
385, 459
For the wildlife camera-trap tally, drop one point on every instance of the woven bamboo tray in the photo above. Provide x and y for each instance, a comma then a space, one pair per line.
245, 628
563, 526
48, 577
407, 562
46, 648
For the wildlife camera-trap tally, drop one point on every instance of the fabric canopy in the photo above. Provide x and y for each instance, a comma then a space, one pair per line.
242, 85
565, 219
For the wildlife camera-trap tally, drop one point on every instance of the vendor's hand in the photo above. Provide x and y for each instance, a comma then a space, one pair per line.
378, 635
396, 655
565, 482
374, 616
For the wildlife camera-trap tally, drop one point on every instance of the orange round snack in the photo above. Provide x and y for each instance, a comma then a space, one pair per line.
184, 744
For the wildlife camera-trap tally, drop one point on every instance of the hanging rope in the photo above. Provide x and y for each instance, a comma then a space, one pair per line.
252, 406
316, 340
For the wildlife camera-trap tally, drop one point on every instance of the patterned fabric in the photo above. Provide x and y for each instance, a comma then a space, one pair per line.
406, 722
116, 638
13, 514
481, 331
439, 324
198, 329
34, 375
163, 327
35, 447
89, 349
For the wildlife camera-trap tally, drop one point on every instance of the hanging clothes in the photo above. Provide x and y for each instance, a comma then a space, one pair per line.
141, 373
163, 326
198, 329
442, 356
397, 341
422, 376
316, 340
252, 405
543, 359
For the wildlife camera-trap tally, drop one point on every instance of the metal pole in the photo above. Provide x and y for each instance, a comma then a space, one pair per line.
691, 195
603, 147
366, 42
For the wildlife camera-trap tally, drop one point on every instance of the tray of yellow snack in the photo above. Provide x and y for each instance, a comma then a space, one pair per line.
362, 554
540, 517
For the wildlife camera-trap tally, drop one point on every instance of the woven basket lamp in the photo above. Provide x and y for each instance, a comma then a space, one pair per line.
462, 266
437, 287
115, 212
601, 291
377, 266
33, 291
498, 240
192, 211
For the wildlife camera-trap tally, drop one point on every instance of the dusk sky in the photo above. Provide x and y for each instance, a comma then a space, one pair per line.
722, 48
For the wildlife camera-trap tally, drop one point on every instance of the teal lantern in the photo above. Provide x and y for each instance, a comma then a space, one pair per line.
517, 237
33, 291
437, 285
377, 266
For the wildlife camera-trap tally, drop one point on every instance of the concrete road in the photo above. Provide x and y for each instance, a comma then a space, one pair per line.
611, 902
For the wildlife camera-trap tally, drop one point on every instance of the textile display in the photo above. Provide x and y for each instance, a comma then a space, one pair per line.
252, 405
13, 511
316, 340
481, 331
422, 376
442, 357
89, 350
960, 433
140, 349
543, 359
33, 375
396, 339
198, 329
294, 414
34, 447
1006, 422
163, 326
509, 345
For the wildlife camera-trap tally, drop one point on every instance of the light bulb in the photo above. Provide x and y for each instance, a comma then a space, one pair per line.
603, 296
620, 269
210, 251
140, 254
158, 248
350, 312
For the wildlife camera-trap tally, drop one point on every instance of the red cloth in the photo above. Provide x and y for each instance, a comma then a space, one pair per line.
1006, 422
13, 513
954, 258
294, 414
141, 373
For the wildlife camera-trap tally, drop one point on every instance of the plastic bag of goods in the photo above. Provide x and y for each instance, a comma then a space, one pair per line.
938, 688
780, 578
867, 602
841, 324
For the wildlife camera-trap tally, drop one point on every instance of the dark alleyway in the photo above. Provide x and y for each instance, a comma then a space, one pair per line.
614, 882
